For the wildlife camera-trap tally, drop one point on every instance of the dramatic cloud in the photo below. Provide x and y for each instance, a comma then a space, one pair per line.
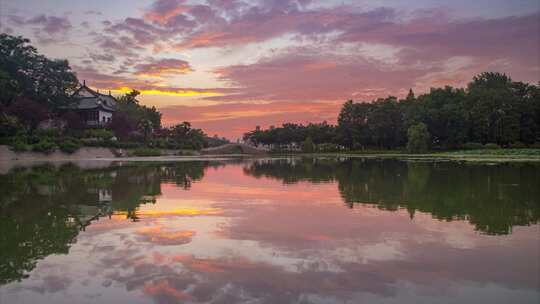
299, 76
122, 84
163, 67
162, 11
289, 51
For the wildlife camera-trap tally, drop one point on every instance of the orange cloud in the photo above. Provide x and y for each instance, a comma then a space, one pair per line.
162, 11
159, 236
162, 288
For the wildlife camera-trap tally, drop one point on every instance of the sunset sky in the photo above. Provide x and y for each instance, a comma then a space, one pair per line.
229, 65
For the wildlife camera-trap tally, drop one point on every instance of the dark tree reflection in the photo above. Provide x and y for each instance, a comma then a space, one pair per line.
493, 198
43, 209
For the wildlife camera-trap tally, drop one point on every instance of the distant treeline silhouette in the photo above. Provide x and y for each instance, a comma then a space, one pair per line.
492, 109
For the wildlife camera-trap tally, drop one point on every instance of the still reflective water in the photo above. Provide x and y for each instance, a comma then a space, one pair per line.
296, 230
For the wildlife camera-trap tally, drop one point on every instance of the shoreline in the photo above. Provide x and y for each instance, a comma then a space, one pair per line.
99, 157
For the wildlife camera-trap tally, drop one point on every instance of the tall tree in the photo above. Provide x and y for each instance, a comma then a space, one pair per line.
26, 73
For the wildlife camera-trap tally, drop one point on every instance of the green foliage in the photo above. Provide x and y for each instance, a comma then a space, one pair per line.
102, 134
45, 145
124, 145
291, 135
443, 189
418, 138
307, 145
472, 146
146, 152
51, 132
493, 109
69, 145
24, 72
183, 136
20, 145
129, 105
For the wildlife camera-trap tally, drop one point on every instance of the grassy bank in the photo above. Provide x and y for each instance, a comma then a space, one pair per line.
482, 155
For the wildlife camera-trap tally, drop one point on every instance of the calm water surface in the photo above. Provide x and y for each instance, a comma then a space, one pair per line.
271, 231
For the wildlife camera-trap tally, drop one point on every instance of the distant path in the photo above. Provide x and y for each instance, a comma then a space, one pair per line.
233, 149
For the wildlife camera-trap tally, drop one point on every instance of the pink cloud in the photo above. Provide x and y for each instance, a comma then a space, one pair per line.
159, 236
299, 75
46, 29
163, 67
51, 24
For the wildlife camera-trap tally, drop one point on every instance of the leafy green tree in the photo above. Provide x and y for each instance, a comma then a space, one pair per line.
130, 106
24, 72
442, 111
418, 138
493, 107
184, 136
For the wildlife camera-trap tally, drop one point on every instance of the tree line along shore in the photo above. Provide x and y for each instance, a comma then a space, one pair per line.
492, 115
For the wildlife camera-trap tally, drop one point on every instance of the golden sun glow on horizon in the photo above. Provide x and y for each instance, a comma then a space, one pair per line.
178, 93
180, 212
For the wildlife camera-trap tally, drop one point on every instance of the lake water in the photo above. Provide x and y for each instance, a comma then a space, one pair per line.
290, 230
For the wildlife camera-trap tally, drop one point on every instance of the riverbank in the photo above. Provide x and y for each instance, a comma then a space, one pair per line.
110, 154
483, 155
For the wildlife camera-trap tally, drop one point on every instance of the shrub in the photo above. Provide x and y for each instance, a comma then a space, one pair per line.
50, 132
69, 145
125, 145
160, 143
472, 146
44, 145
491, 146
92, 142
418, 138
20, 145
146, 152
34, 139
102, 134
135, 136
